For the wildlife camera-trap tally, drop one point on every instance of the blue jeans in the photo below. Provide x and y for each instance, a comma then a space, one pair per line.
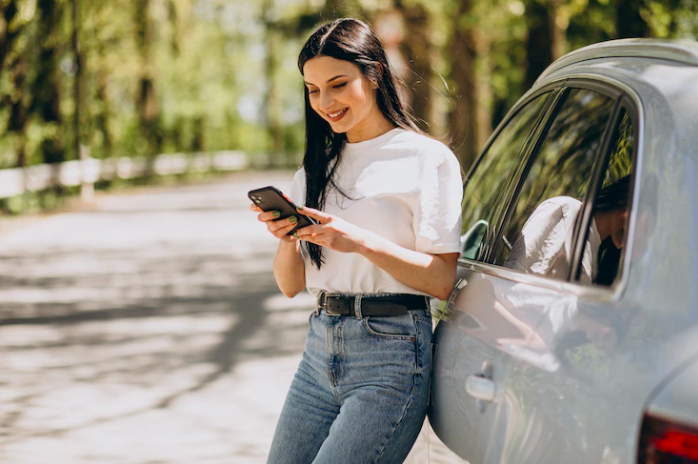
360, 393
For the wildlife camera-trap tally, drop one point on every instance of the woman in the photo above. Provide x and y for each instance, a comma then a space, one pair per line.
545, 245
387, 202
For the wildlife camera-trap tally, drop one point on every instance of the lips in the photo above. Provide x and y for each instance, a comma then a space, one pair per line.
337, 115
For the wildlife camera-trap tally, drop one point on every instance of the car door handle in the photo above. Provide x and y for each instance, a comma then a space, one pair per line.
480, 387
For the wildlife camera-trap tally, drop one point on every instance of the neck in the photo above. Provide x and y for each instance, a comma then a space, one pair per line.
370, 129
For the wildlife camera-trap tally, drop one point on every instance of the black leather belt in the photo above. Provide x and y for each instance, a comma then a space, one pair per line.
373, 305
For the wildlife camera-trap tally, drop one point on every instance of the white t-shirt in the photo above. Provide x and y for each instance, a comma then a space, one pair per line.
401, 185
545, 244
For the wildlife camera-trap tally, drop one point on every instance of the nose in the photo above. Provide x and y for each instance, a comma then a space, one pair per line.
326, 101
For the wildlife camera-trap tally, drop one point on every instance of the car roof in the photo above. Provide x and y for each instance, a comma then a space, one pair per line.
680, 52
661, 75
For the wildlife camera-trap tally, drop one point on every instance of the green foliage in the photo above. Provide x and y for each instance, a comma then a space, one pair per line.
212, 79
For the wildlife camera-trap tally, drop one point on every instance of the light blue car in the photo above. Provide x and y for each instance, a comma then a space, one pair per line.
572, 333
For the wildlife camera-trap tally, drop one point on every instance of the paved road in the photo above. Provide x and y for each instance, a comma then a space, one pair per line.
146, 328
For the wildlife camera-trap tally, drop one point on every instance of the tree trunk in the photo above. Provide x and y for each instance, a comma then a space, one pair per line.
559, 21
197, 142
272, 101
418, 50
629, 23
464, 114
176, 132
485, 96
46, 86
174, 23
17, 120
15, 100
147, 102
539, 43
102, 116
7, 36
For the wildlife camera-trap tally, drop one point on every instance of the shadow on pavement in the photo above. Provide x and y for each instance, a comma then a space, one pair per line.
146, 328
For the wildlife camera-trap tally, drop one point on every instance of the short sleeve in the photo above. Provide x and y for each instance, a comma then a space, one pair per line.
437, 216
545, 236
541, 239
297, 193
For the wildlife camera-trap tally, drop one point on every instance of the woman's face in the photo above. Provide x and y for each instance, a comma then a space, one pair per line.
344, 97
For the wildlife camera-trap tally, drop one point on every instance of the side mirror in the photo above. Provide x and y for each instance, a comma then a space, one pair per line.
472, 239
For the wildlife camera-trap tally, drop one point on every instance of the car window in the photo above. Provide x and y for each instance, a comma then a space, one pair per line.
538, 238
484, 186
612, 207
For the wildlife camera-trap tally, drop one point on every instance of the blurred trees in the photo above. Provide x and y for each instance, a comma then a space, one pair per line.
193, 75
44, 91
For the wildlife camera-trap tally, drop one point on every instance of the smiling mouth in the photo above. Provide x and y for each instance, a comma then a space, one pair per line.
334, 117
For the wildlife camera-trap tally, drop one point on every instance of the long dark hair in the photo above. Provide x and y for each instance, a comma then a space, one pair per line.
614, 196
349, 40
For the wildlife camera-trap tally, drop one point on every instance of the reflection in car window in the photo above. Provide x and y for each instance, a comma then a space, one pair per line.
483, 187
539, 236
611, 206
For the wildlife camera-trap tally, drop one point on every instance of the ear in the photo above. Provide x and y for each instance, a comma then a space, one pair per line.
379, 69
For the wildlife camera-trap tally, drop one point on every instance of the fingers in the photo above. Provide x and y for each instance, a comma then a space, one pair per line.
282, 232
315, 214
282, 227
307, 233
266, 216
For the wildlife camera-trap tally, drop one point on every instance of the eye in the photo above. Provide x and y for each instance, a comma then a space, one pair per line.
312, 91
339, 86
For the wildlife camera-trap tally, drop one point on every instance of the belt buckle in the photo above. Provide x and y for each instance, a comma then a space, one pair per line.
328, 310
322, 304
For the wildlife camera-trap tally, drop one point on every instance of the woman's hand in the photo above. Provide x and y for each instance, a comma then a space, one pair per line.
289, 269
433, 274
278, 228
331, 232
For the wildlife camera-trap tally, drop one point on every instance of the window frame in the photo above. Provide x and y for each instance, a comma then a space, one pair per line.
504, 197
626, 98
582, 229
532, 156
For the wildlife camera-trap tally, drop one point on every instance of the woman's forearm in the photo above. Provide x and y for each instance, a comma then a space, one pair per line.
289, 269
432, 274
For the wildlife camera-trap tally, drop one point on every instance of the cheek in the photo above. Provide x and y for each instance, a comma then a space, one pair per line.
314, 105
357, 95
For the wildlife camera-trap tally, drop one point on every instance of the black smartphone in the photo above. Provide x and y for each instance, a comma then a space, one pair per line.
272, 199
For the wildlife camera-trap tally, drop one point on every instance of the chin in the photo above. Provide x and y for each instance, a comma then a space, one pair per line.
617, 242
342, 129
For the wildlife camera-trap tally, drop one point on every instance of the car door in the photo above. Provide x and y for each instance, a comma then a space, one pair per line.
503, 294
462, 423
565, 408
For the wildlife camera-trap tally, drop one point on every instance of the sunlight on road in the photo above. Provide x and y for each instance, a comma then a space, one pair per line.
146, 329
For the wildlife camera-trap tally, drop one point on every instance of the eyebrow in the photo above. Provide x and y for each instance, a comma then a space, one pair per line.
328, 80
